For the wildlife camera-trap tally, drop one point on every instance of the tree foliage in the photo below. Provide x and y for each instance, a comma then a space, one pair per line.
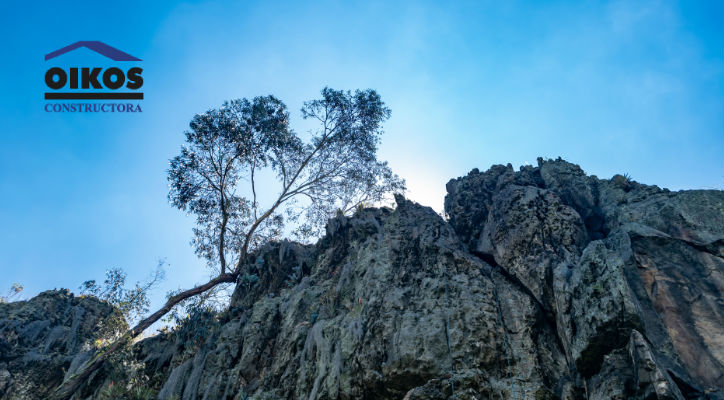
222, 147
13, 293
227, 148
132, 302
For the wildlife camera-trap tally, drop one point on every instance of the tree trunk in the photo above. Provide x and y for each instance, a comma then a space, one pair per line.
69, 387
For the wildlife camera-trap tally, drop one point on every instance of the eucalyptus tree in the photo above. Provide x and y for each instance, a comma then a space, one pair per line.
216, 178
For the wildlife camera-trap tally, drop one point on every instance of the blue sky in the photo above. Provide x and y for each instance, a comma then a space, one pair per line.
617, 87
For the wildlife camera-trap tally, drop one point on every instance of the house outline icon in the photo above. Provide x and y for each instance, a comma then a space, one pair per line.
99, 47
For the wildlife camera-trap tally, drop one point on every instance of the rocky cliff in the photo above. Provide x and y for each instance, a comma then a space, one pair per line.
47, 336
542, 283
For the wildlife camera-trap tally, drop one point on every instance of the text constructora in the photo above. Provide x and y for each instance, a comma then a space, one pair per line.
88, 108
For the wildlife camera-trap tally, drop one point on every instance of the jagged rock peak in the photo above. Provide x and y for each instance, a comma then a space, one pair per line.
543, 283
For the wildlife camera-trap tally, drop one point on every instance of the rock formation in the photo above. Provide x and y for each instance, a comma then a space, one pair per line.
48, 336
542, 283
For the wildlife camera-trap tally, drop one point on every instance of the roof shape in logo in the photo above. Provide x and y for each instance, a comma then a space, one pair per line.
99, 47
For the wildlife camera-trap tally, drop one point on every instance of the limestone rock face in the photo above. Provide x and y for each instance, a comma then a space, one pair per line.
43, 338
531, 232
543, 283
387, 292
652, 264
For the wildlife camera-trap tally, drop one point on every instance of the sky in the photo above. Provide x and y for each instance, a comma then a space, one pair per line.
616, 87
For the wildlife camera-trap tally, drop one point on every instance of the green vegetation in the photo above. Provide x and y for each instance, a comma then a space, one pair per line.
13, 293
133, 303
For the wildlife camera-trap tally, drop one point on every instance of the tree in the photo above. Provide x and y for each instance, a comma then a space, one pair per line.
12, 293
335, 170
132, 303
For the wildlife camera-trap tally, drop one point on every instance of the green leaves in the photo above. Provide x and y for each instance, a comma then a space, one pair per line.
215, 175
225, 147
343, 170
133, 303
